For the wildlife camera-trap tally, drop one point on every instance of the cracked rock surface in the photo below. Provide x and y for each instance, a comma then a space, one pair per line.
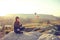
24, 36
48, 37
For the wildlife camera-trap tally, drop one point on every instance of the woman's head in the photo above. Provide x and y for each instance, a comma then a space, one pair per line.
17, 18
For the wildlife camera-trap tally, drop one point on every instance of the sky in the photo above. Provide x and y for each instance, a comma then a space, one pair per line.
51, 7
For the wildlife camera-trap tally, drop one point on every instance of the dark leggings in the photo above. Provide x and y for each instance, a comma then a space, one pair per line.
19, 32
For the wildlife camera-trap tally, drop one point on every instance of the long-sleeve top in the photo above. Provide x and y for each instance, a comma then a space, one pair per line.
17, 26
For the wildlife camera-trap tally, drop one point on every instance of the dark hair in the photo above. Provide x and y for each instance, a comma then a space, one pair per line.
17, 22
16, 18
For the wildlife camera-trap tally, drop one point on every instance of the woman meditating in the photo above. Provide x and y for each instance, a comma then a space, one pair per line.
18, 26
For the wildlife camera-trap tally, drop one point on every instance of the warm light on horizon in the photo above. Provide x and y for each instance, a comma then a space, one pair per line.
3, 14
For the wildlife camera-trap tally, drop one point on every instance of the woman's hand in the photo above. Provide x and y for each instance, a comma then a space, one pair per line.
18, 29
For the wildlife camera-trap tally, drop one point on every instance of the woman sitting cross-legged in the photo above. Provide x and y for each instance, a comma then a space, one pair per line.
18, 26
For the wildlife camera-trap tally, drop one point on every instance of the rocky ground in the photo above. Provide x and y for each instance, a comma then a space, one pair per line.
30, 36
24, 36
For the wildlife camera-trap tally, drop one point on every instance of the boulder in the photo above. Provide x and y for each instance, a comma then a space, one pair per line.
48, 37
24, 36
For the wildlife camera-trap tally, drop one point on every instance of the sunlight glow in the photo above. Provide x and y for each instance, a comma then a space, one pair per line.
2, 14
29, 7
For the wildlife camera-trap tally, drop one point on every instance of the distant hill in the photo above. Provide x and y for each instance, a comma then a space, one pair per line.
41, 16
25, 18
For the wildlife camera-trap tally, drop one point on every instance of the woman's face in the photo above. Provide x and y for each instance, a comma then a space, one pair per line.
18, 20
